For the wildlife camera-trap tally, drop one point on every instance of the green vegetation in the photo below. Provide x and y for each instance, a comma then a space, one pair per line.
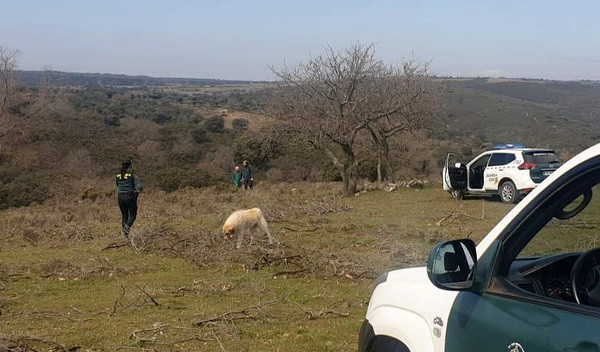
552, 114
215, 124
204, 130
60, 280
22, 190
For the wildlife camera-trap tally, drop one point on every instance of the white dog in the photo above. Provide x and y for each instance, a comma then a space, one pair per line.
245, 221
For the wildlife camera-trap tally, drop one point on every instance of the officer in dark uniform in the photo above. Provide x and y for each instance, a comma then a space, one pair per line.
247, 175
129, 186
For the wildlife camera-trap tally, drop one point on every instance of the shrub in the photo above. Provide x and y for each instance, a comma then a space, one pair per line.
367, 168
112, 121
199, 135
161, 118
184, 156
22, 191
170, 179
7, 174
215, 124
423, 168
240, 124
254, 147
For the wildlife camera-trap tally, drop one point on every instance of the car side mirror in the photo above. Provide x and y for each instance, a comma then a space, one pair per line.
451, 264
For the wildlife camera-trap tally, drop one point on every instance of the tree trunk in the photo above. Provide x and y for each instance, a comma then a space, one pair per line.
379, 147
349, 180
379, 166
385, 159
348, 169
352, 177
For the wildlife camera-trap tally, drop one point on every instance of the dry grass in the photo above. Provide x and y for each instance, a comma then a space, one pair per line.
68, 280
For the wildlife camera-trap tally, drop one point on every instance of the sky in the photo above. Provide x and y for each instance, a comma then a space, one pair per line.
241, 39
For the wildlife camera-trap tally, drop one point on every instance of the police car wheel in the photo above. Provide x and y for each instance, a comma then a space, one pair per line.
508, 192
387, 344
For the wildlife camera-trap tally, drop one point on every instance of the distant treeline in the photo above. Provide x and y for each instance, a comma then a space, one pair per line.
59, 78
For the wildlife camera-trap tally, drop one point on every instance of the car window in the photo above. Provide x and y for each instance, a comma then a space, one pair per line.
547, 157
580, 233
481, 161
499, 159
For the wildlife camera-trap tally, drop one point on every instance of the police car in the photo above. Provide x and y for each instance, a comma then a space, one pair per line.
531, 285
510, 172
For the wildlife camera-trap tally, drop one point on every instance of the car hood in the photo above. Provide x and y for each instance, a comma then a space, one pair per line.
417, 275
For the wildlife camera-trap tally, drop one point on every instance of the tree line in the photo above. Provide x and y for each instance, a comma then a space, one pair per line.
343, 115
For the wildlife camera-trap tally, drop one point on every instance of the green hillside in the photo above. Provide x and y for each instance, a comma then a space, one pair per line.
561, 115
192, 135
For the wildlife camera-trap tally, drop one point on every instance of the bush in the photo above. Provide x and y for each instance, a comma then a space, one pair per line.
257, 148
199, 135
112, 121
215, 124
173, 178
22, 191
161, 118
423, 168
367, 168
7, 174
240, 124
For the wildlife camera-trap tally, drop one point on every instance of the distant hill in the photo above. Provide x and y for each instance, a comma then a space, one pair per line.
557, 114
59, 78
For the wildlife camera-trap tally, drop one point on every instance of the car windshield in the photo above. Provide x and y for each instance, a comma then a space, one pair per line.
542, 157
578, 234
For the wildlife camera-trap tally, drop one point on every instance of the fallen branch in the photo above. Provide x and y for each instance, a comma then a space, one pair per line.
138, 339
22, 343
302, 230
290, 272
115, 245
114, 310
160, 329
439, 223
267, 262
324, 313
219, 341
148, 295
456, 215
47, 313
245, 313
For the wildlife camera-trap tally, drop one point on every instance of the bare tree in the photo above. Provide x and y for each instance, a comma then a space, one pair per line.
331, 100
8, 64
418, 94
18, 105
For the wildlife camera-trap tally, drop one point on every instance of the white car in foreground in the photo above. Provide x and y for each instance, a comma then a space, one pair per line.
531, 285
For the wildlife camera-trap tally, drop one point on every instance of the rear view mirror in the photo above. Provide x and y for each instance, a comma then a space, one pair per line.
451, 264
576, 205
458, 165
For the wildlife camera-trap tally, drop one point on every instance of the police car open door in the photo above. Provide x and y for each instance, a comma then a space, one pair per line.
455, 173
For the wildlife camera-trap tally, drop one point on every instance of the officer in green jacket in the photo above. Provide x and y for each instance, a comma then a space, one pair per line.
128, 186
237, 177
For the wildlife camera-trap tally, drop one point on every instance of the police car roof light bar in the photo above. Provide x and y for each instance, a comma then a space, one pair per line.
508, 145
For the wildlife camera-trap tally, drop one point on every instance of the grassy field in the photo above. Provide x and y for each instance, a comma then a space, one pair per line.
68, 280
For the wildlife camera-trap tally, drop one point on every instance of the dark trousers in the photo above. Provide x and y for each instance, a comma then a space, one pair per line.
128, 206
247, 183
